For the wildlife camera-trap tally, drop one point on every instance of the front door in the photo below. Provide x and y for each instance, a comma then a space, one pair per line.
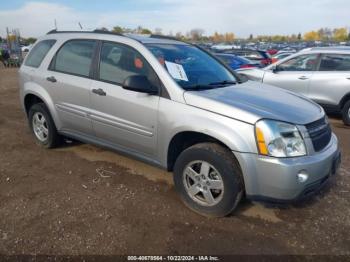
121, 117
293, 74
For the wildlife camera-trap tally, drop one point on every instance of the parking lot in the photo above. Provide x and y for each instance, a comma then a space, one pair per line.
82, 200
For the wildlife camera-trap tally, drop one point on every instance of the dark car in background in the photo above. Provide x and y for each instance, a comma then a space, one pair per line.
262, 57
237, 62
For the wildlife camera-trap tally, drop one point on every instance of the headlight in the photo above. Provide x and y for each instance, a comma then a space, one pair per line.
279, 139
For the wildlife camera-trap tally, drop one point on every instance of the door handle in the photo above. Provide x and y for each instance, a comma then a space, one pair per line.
348, 78
99, 92
303, 78
51, 79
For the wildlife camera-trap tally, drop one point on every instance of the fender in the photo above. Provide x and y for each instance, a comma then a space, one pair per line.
236, 135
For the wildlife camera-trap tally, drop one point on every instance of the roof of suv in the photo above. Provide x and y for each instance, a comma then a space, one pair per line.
145, 39
333, 49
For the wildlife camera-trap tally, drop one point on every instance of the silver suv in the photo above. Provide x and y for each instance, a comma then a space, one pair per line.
176, 106
321, 74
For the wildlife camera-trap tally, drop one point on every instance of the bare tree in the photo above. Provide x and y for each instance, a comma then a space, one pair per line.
178, 35
196, 34
158, 31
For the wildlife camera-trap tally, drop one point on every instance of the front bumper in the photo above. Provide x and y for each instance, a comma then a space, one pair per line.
275, 179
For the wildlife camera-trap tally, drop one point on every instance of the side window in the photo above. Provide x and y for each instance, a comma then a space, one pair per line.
117, 62
74, 57
299, 63
335, 62
38, 53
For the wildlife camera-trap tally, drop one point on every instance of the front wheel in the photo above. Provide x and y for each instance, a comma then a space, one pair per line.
346, 113
208, 179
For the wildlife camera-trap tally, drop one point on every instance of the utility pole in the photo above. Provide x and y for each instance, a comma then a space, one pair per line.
8, 38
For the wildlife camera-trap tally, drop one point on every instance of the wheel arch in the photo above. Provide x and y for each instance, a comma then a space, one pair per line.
183, 140
345, 98
34, 93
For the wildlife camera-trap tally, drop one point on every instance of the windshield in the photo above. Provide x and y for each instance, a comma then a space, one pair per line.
192, 68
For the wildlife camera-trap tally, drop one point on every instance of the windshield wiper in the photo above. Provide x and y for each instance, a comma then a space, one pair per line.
211, 85
225, 82
198, 87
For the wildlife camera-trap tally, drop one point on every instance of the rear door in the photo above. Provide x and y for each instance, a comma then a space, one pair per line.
69, 78
124, 118
331, 81
293, 74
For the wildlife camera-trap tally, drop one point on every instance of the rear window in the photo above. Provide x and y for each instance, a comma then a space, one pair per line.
38, 53
335, 62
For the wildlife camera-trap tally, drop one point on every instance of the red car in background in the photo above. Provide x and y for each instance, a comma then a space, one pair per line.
272, 51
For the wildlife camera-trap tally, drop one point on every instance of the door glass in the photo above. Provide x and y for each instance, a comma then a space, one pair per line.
335, 62
120, 61
299, 63
74, 57
37, 55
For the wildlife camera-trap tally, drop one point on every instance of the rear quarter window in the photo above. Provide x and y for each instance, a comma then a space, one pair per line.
38, 53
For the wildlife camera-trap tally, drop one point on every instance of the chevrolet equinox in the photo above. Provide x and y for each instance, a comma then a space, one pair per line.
176, 106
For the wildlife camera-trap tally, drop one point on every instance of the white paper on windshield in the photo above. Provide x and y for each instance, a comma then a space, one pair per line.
176, 71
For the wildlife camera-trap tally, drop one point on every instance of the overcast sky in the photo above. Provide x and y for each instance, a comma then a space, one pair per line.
241, 17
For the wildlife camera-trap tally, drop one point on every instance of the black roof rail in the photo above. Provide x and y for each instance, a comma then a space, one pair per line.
164, 37
53, 31
99, 31
96, 31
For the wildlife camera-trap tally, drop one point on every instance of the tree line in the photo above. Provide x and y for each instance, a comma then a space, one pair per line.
323, 34
197, 34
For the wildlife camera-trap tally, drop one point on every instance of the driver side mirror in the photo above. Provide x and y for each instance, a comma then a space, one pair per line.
139, 83
243, 78
275, 69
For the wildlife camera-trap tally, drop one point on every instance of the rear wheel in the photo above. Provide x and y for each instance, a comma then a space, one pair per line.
208, 179
43, 126
346, 113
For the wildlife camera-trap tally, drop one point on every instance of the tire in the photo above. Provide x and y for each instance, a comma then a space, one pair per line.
50, 137
346, 113
222, 166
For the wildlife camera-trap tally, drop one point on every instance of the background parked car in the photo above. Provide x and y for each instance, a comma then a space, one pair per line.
26, 48
272, 51
280, 56
259, 56
320, 73
237, 62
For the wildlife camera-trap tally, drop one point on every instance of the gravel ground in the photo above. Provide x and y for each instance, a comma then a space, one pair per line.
83, 200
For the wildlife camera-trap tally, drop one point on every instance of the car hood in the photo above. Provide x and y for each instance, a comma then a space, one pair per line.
251, 101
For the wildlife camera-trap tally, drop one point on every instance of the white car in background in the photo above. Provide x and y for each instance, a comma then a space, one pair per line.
26, 48
320, 73
225, 47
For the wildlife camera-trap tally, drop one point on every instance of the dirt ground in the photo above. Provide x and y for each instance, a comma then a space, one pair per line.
83, 200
